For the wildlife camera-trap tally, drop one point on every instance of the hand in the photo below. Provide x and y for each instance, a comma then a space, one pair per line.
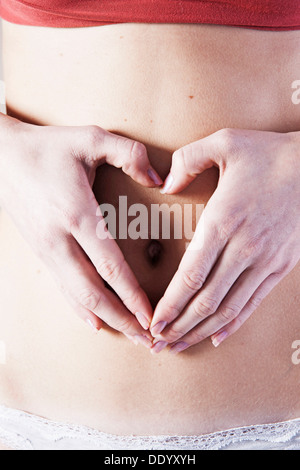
247, 239
47, 174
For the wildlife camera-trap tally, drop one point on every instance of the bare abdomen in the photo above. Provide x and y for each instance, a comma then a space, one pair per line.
177, 85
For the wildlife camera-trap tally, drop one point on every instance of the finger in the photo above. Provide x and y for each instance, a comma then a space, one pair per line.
87, 290
201, 255
222, 278
192, 160
87, 316
261, 293
122, 152
230, 309
94, 322
110, 263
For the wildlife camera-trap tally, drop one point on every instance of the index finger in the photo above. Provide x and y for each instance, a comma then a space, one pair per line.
109, 261
201, 255
86, 291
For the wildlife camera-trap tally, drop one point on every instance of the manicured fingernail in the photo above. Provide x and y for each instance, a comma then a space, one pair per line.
219, 338
158, 347
168, 184
155, 178
178, 347
144, 322
92, 326
158, 328
144, 341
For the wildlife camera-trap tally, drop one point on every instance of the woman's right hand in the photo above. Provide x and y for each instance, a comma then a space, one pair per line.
47, 175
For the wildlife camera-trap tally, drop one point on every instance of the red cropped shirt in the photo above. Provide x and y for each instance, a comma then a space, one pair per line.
275, 15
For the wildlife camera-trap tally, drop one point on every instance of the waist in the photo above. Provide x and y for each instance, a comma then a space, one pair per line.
165, 84
57, 368
165, 93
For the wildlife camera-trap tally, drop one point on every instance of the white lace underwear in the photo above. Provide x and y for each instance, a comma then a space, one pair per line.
23, 431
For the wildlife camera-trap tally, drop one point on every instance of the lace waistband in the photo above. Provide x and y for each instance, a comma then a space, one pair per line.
23, 431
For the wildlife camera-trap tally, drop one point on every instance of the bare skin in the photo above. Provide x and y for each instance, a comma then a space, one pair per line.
176, 86
245, 243
67, 236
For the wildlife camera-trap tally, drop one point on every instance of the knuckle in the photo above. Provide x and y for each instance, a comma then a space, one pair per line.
71, 217
73, 221
183, 157
132, 297
224, 231
47, 242
170, 312
196, 337
256, 301
89, 299
136, 155
172, 335
123, 325
229, 223
94, 134
180, 155
204, 307
229, 313
252, 249
193, 279
286, 268
138, 150
45, 245
228, 138
109, 269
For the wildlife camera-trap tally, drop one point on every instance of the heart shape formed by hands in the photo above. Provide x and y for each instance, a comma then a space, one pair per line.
246, 242
247, 239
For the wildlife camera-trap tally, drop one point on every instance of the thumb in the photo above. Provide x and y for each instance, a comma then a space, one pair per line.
190, 161
131, 156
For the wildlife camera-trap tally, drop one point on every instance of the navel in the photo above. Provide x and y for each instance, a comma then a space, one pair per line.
154, 252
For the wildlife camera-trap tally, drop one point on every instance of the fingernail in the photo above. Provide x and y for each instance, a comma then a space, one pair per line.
92, 326
219, 338
154, 176
144, 322
158, 347
178, 347
168, 184
144, 341
158, 328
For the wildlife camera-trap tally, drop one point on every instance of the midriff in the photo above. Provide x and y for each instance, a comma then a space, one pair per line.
166, 86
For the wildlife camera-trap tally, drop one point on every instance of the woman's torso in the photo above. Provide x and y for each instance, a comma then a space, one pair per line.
166, 86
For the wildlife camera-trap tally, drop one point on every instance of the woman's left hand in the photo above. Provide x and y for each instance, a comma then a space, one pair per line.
246, 241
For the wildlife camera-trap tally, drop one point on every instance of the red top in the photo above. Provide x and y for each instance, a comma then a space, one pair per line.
259, 14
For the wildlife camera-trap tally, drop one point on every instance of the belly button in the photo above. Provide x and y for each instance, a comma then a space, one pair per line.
154, 252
